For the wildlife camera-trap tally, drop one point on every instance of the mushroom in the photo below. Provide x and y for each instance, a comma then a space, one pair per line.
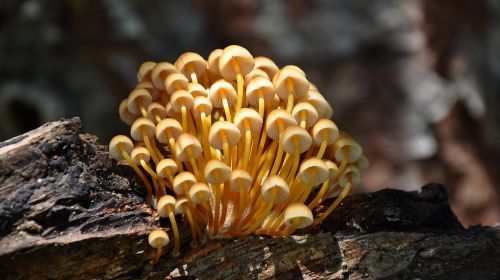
290, 85
277, 121
259, 91
213, 63
141, 156
167, 131
167, 168
239, 182
296, 140
182, 207
138, 100
144, 73
222, 136
249, 123
144, 130
188, 148
125, 115
202, 110
149, 87
297, 216
175, 82
267, 65
346, 150
156, 112
305, 114
182, 101
333, 173
165, 209
160, 73
223, 95
324, 109
324, 132
158, 239
217, 173
192, 65
200, 193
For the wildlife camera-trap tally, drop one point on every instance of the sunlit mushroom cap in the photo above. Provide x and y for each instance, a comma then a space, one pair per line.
139, 97
202, 105
297, 215
156, 109
311, 114
213, 61
139, 153
185, 142
199, 193
300, 84
115, 143
240, 56
276, 183
167, 127
351, 174
325, 128
180, 205
267, 65
362, 163
175, 80
231, 132
248, 118
197, 90
156, 235
295, 68
324, 109
181, 98
313, 171
275, 119
296, 136
254, 74
183, 180
166, 166
191, 61
346, 145
333, 169
160, 73
216, 172
257, 88
144, 73
220, 90
140, 126
125, 115
240, 180
164, 203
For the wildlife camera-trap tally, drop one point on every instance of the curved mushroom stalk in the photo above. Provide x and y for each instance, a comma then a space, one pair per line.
165, 209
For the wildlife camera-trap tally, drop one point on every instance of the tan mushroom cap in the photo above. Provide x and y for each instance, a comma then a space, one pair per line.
147, 85
333, 169
174, 78
267, 65
258, 87
240, 180
295, 68
181, 98
325, 111
251, 117
160, 73
155, 235
166, 166
322, 126
137, 128
242, 57
311, 113
202, 105
298, 79
182, 179
351, 174
139, 153
156, 109
277, 183
114, 144
188, 141
125, 115
144, 73
191, 61
199, 193
197, 90
165, 127
274, 118
216, 172
254, 74
296, 134
161, 206
138, 97
213, 61
362, 163
219, 89
313, 171
230, 130
180, 206
345, 143
298, 215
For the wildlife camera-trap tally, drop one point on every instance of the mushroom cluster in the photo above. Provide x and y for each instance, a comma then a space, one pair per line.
235, 145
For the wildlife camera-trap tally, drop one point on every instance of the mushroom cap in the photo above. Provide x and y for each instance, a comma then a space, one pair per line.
324, 109
163, 202
311, 114
199, 193
181, 98
156, 109
114, 144
333, 169
241, 56
362, 163
277, 183
255, 73
191, 61
345, 143
182, 179
298, 79
213, 61
267, 65
259, 86
296, 134
147, 85
313, 171
178, 78
180, 205
216, 172
218, 90
240, 180
144, 73
166, 166
297, 215
274, 118
160, 73
165, 127
325, 126
313, 87
125, 115
197, 90
202, 104
139, 97
295, 68
351, 174
250, 117
230, 130
188, 141
139, 153
170, 111
138, 126
158, 234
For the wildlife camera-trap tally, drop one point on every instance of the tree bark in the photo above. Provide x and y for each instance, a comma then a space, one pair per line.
68, 211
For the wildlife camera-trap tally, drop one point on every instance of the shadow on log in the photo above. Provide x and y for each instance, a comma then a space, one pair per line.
68, 211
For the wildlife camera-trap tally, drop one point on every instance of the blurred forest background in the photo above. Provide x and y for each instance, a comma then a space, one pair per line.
417, 82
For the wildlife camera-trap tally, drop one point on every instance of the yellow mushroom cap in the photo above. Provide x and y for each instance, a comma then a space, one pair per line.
166, 166
138, 97
241, 56
160, 73
297, 215
213, 61
161, 207
202, 105
191, 61
345, 143
313, 87
309, 110
147, 85
295, 68
125, 115
267, 65
144, 73
139, 125
298, 79
139, 153
182, 179
166, 127
230, 130
362, 163
174, 78
240, 180
155, 235
181, 98
351, 174
273, 120
313, 171
251, 117
277, 183
333, 169
156, 109
220, 88
296, 134
258, 86
324, 109
322, 126
254, 74
180, 205
199, 193
186, 141
197, 90
216, 172
114, 144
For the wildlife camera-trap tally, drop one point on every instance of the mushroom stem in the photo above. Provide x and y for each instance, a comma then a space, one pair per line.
185, 127
149, 195
149, 147
262, 215
217, 209
143, 110
158, 251
324, 143
192, 160
261, 104
225, 199
334, 205
177, 240
194, 228
225, 148
320, 194
240, 83
332, 191
173, 152
154, 176
225, 104
204, 142
291, 96
248, 143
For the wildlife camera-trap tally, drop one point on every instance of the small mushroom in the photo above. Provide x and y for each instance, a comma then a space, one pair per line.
165, 209
223, 95
182, 102
125, 115
158, 239
333, 173
346, 150
144, 73
296, 140
290, 85
156, 112
267, 65
222, 136
200, 193
182, 207
192, 65
137, 102
167, 131
144, 130
305, 114
217, 173
324, 132
297, 216
276, 123
167, 168
160, 73
249, 123
141, 156
175, 82
188, 148
259, 91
